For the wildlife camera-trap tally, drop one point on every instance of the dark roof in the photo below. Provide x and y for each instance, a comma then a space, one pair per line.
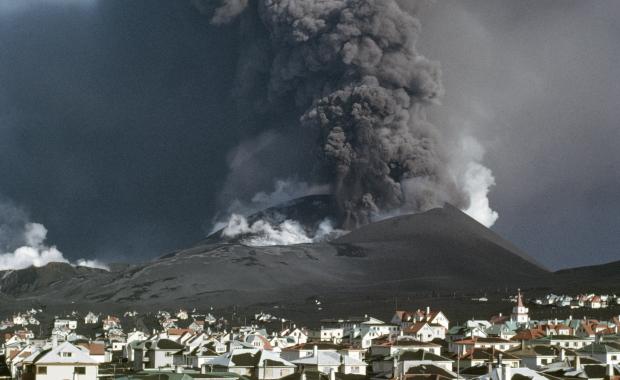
518, 376
429, 369
487, 353
167, 344
537, 350
477, 370
421, 355
597, 371
40, 355
245, 360
319, 345
4, 370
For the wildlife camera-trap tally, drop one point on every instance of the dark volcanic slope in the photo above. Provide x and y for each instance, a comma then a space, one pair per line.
442, 249
426, 230
605, 276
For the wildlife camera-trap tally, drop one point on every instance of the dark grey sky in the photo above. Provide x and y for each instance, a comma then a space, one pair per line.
117, 120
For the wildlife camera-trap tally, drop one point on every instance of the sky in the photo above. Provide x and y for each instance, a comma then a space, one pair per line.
121, 128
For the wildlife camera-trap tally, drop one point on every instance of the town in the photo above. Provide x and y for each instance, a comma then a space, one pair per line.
414, 344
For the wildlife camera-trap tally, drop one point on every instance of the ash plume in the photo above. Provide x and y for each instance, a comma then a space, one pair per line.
358, 81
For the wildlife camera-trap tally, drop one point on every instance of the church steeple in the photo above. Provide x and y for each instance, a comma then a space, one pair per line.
520, 312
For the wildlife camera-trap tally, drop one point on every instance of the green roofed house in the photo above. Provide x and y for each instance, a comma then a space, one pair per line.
607, 352
408, 359
535, 356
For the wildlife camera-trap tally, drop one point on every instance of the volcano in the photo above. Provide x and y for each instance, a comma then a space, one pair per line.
441, 250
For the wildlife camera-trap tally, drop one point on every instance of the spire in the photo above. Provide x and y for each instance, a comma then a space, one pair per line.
519, 298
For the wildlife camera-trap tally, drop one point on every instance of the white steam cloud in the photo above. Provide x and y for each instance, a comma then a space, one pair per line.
262, 233
476, 180
284, 190
36, 253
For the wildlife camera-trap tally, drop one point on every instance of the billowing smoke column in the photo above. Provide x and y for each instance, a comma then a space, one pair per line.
356, 76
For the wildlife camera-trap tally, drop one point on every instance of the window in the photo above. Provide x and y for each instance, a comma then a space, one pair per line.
80, 370
66, 354
355, 369
41, 370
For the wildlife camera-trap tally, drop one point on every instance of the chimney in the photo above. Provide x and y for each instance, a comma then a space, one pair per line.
315, 351
428, 311
506, 372
577, 362
500, 314
332, 374
610, 370
562, 355
522, 344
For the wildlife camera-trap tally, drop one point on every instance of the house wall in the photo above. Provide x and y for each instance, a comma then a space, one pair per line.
274, 372
62, 372
383, 366
160, 358
530, 362
356, 370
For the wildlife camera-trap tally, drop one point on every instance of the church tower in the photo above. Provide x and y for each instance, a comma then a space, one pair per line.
519, 312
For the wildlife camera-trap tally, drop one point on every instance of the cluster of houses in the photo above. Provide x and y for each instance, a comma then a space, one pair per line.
412, 345
588, 301
27, 318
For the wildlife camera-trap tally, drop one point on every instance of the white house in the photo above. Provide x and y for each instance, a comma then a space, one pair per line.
155, 354
252, 363
389, 347
91, 318
328, 362
535, 356
61, 362
328, 334
423, 332
97, 351
65, 323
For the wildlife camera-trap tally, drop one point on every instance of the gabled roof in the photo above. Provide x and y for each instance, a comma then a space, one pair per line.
328, 358
94, 348
163, 344
415, 328
534, 351
487, 354
430, 369
54, 356
319, 345
244, 357
601, 348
